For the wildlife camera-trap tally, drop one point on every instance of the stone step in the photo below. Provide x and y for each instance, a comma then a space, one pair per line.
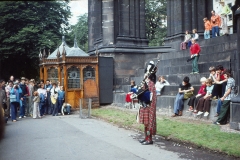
187, 68
205, 50
165, 105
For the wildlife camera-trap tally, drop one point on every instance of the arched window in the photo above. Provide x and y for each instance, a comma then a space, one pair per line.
88, 73
73, 77
53, 75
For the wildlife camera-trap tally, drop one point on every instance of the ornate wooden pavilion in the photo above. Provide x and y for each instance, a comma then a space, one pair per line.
76, 71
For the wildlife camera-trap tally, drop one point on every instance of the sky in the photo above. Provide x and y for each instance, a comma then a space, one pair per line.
77, 7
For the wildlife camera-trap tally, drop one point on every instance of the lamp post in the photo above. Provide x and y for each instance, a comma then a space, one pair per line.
235, 102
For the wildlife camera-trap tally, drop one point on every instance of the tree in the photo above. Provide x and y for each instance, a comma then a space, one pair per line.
80, 30
156, 14
25, 28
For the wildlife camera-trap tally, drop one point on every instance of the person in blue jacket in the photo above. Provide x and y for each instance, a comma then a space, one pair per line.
61, 98
16, 99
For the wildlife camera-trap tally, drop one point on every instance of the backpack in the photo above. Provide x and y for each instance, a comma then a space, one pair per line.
42, 98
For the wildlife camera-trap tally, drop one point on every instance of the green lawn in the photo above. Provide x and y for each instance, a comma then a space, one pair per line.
200, 134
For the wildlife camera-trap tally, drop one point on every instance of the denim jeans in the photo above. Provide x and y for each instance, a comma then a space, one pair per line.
60, 103
22, 107
195, 64
215, 30
13, 106
41, 108
219, 104
206, 34
178, 104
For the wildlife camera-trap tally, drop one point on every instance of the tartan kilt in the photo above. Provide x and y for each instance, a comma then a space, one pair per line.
144, 115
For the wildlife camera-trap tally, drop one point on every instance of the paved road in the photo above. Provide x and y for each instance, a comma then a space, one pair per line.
72, 138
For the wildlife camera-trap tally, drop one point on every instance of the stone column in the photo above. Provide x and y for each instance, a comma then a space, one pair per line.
132, 15
108, 22
137, 19
142, 19
235, 102
124, 18
168, 18
194, 15
187, 15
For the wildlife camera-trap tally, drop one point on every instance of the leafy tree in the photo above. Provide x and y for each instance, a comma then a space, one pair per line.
25, 28
80, 30
156, 14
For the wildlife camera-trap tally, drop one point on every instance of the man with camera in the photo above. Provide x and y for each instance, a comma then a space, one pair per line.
215, 23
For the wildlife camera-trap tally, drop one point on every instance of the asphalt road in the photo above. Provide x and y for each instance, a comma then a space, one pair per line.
71, 138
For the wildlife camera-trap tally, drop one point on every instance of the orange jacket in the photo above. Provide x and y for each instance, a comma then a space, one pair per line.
215, 21
207, 25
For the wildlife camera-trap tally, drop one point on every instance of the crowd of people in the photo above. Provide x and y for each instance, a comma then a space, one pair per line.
31, 98
219, 85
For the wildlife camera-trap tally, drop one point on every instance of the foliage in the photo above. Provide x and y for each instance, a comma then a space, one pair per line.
200, 134
80, 31
28, 26
156, 14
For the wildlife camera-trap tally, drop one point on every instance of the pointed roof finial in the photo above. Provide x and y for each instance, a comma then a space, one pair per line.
40, 54
64, 51
75, 43
44, 53
58, 53
63, 40
49, 52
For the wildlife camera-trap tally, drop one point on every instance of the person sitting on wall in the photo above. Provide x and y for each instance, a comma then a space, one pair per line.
229, 93
160, 84
202, 92
204, 103
184, 87
215, 23
224, 13
187, 38
129, 96
195, 37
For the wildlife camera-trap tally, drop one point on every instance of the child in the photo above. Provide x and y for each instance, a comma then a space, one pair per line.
204, 103
61, 97
202, 92
160, 84
208, 27
66, 108
36, 100
187, 38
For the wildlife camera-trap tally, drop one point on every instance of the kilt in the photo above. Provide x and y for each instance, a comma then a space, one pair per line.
147, 116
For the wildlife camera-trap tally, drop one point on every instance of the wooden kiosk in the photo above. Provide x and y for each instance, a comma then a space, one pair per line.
76, 71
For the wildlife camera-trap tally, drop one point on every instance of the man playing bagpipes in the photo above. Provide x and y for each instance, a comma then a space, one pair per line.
147, 99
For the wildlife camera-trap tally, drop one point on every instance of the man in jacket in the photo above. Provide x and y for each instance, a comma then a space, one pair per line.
24, 94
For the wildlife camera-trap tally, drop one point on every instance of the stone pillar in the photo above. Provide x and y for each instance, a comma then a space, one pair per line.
124, 18
168, 18
108, 22
201, 13
235, 102
187, 13
137, 19
142, 19
194, 14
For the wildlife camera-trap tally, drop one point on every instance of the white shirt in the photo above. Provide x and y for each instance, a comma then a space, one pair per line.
43, 91
160, 85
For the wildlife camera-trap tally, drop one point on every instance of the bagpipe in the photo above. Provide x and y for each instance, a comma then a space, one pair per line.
190, 59
143, 94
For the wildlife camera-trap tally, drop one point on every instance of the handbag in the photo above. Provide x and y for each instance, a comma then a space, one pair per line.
188, 95
13, 98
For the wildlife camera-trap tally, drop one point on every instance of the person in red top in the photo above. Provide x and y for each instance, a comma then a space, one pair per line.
194, 51
202, 92
215, 23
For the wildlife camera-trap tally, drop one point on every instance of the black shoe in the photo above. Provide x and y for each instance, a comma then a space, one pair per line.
141, 141
147, 142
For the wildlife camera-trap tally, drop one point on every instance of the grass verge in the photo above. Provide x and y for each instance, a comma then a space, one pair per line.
202, 135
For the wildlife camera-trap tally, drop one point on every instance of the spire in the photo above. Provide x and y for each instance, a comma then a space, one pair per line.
49, 52
44, 53
64, 51
40, 54
75, 42
63, 40
58, 53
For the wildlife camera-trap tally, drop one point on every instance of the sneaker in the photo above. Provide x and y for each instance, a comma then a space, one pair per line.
24, 116
216, 115
206, 114
195, 72
20, 117
199, 113
191, 73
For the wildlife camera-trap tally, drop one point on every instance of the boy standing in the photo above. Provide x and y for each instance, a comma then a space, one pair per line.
194, 51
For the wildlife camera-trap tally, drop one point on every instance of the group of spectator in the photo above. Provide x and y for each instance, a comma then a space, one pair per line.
219, 85
31, 98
